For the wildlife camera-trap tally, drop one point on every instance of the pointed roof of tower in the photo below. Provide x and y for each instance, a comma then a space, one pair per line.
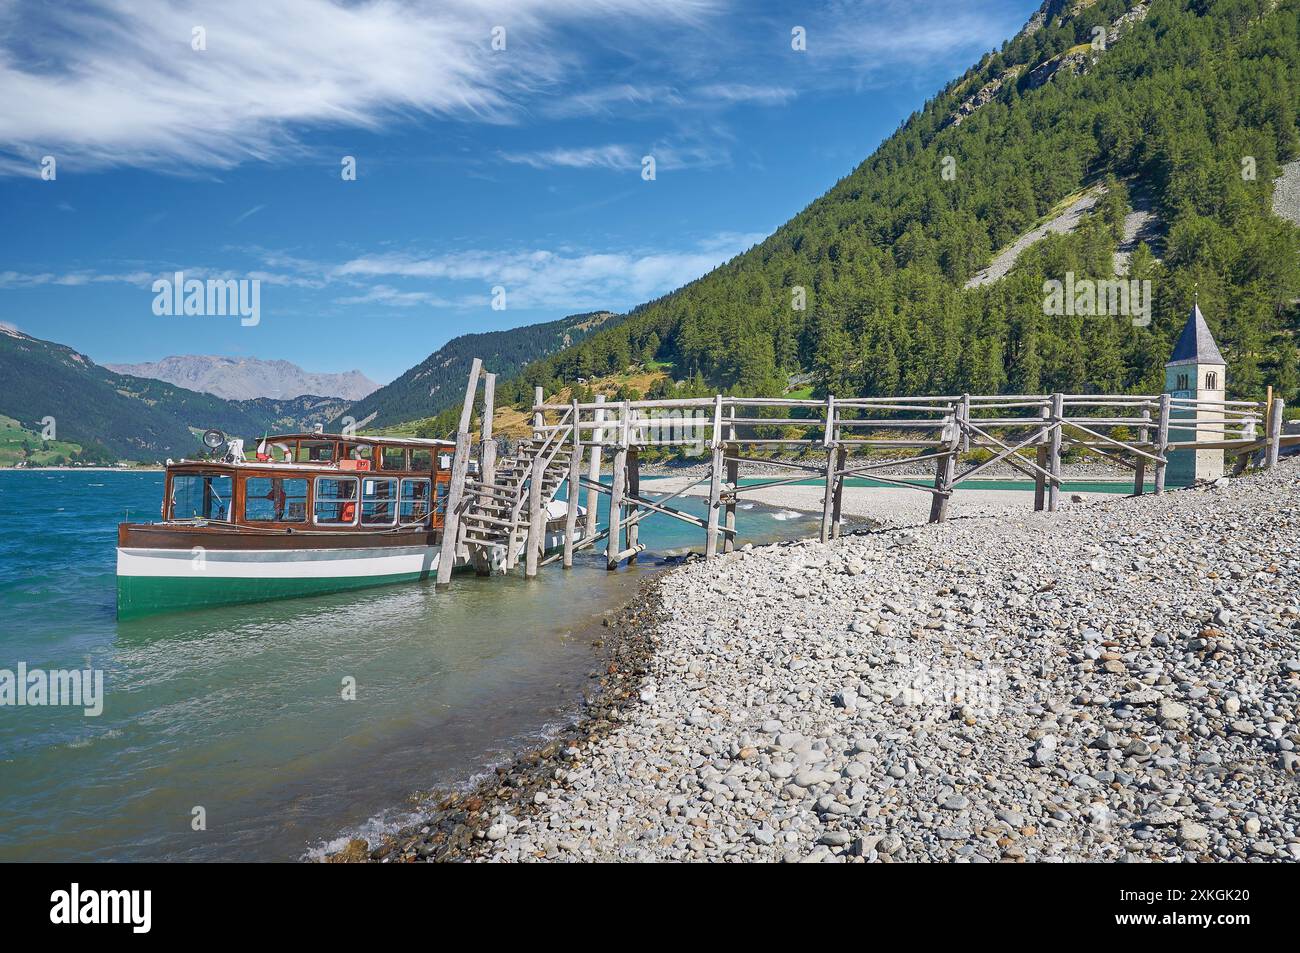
1196, 343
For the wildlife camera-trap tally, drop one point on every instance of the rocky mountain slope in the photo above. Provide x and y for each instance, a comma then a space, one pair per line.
245, 378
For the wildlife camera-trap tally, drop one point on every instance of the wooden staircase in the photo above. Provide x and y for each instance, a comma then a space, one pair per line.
498, 508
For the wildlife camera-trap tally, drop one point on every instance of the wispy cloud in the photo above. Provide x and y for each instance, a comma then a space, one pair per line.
559, 279
251, 212
120, 82
592, 157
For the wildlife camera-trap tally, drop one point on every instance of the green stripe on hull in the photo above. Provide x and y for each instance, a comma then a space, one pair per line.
148, 595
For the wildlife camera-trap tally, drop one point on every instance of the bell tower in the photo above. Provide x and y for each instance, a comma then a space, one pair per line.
1197, 370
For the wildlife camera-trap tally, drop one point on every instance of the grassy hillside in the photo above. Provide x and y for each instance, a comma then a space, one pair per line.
1192, 101
129, 417
438, 382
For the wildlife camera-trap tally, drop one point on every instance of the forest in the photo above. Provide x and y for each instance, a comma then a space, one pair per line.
1193, 104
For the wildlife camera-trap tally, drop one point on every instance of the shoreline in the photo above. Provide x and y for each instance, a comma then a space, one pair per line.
456, 825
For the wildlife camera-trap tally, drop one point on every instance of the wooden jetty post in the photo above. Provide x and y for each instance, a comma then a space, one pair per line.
1054, 486
1276, 417
1162, 443
837, 505
946, 467
715, 481
633, 525
617, 492
832, 456
537, 473
572, 492
733, 479
456, 489
1040, 458
593, 470
1140, 464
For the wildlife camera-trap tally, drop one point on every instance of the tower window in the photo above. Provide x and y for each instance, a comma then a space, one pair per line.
1183, 382
1212, 381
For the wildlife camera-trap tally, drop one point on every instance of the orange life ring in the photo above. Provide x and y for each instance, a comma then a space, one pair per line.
349, 511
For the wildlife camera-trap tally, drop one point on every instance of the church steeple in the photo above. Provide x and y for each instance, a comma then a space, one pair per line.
1196, 344
1196, 371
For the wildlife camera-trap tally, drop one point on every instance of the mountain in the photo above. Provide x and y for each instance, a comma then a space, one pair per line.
245, 378
1179, 112
131, 417
438, 382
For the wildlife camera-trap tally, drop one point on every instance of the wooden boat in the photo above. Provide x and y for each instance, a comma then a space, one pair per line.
314, 513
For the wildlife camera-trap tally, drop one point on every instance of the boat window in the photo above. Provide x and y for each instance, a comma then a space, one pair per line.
441, 506
415, 501
336, 500
199, 496
275, 500
316, 451
378, 502
394, 458
421, 459
356, 451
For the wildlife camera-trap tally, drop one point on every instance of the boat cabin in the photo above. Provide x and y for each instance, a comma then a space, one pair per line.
306, 482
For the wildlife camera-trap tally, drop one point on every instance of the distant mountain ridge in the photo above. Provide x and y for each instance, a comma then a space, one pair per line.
134, 418
248, 378
438, 381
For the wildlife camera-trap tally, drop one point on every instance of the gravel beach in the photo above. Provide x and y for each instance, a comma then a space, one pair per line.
1116, 681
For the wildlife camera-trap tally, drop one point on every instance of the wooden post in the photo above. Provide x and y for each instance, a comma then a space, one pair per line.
536, 522
1276, 416
593, 473
1054, 452
456, 488
842, 459
733, 478
828, 494
573, 491
1040, 458
1140, 467
715, 481
539, 397
1162, 443
633, 490
616, 507
947, 464
451, 519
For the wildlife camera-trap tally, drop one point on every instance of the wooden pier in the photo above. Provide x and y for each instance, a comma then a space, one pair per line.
500, 516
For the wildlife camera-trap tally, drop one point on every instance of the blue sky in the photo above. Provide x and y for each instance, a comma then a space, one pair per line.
476, 167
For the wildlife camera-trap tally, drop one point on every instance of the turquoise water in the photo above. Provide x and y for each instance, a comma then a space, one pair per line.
238, 711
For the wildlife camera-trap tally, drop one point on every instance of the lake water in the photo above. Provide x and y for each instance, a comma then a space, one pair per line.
238, 710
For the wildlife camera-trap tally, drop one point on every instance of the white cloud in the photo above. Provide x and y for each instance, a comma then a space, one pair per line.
602, 157
542, 278
117, 81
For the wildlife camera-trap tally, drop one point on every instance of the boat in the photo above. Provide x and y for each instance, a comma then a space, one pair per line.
312, 513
